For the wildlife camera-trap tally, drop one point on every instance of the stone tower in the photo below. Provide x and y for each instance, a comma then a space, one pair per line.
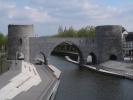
18, 41
109, 43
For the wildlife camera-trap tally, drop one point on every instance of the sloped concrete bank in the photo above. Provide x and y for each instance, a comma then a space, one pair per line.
25, 81
115, 68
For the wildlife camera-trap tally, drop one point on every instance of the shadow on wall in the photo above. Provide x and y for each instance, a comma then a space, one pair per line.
41, 59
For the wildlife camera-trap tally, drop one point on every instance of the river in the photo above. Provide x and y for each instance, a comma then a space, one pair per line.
84, 84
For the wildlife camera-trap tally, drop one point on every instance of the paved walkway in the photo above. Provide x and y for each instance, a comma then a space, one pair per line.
119, 68
112, 67
115, 68
24, 81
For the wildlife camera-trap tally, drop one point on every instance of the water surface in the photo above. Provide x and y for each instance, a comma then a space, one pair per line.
84, 84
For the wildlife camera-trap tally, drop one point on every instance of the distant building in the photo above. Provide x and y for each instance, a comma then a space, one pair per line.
128, 44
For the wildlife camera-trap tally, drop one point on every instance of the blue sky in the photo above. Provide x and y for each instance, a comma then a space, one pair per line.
48, 15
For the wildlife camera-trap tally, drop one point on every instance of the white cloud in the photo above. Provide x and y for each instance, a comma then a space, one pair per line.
52, 13
32, 15
37, 15
7, 8
99, 12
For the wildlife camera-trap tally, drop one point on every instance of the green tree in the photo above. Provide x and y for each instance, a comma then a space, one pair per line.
68, 33
88, 31
3, 41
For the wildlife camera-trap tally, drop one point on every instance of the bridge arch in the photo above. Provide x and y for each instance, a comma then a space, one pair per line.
92, 58
80, 54
112, 57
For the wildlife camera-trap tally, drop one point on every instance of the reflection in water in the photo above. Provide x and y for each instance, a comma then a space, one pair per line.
83, 84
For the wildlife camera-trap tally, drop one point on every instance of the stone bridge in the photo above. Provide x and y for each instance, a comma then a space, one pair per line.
85, 46
106, 45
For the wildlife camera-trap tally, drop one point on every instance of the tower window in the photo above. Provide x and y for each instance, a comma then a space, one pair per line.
20, 41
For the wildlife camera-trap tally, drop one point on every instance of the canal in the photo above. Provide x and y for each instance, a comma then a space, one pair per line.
84, 84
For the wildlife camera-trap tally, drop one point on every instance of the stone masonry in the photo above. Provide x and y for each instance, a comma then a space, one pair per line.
107, 43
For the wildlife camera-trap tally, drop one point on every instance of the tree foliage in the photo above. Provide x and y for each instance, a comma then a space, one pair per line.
3, 39
66, 32
88, 31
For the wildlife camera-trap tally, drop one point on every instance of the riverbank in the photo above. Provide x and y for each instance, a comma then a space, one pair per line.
116, 68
